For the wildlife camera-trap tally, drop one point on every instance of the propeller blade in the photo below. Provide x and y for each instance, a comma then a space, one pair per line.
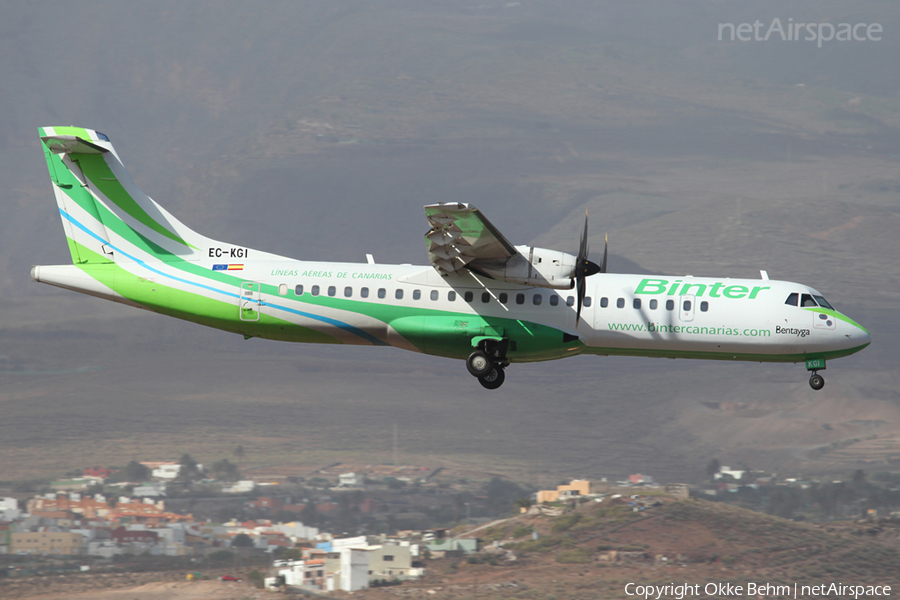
582, 246
580, 294
582, 268
605, 251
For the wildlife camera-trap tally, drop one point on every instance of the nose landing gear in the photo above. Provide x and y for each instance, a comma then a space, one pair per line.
487, 363
816, 381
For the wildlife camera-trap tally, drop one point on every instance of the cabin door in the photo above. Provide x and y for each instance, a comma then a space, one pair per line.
249, 301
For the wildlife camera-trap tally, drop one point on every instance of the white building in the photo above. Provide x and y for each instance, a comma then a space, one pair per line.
348, 480
729, 471
153, 489
390, 562
241, 487
296, 531
167, 471
354, 569
9, 509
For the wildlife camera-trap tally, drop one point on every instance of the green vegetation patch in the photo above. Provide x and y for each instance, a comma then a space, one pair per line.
574, 556
618, 512
495, 533
565, 522
544, 544
522, 531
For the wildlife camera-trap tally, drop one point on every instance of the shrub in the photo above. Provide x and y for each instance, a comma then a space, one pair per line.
574, 556
522, 531
220, 556
257, 578
565, 522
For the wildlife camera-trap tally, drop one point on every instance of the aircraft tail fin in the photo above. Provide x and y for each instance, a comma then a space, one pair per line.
105, 216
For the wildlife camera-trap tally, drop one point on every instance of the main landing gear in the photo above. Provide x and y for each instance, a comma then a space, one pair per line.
816, 381
488, 362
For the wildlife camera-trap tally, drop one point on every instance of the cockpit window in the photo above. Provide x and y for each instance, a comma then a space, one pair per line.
806, 300
792, 299
823, 302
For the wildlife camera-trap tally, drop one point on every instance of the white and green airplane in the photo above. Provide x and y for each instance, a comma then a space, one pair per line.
481, 300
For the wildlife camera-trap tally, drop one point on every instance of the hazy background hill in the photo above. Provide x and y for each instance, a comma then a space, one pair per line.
318, 130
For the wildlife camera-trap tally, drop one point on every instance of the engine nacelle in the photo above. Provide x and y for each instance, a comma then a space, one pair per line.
536, 266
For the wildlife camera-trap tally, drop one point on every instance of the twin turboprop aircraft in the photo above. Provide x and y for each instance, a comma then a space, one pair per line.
482, 300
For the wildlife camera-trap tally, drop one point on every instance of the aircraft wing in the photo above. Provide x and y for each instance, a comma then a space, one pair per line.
461, 236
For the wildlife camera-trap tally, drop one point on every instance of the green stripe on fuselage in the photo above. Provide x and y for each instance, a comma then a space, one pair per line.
197, 308
736, 356
837, 315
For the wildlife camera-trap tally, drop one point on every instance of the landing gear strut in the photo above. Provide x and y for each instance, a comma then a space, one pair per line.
487, 363
816, 381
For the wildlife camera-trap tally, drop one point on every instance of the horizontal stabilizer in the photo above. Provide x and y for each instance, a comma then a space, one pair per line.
71, 144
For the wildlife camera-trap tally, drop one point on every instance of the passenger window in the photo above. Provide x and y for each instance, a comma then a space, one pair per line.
620, 303
315, 290
704, 306
382, 293
636, 303
469, 296
282, 289
653, 304
451, 296
587, 301
298, 291
554, 300
670, 305
793, 299
364, 292
570, 301
332, 290
604, 302
504, 298
807, 300
398, 294
536, 299
485, 296
417, 294
348, 291
520, 298
434, 295
687, 306
823, 302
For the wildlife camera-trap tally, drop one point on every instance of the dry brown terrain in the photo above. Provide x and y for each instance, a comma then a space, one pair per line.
125, 586
591, 553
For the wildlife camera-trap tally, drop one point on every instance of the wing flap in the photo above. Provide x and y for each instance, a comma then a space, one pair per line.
460, 235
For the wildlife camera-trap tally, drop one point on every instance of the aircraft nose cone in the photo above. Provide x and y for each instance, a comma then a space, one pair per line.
864, 336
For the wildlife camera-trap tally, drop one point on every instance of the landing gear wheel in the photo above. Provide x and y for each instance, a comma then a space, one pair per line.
479, 364
494, 379
816, 381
